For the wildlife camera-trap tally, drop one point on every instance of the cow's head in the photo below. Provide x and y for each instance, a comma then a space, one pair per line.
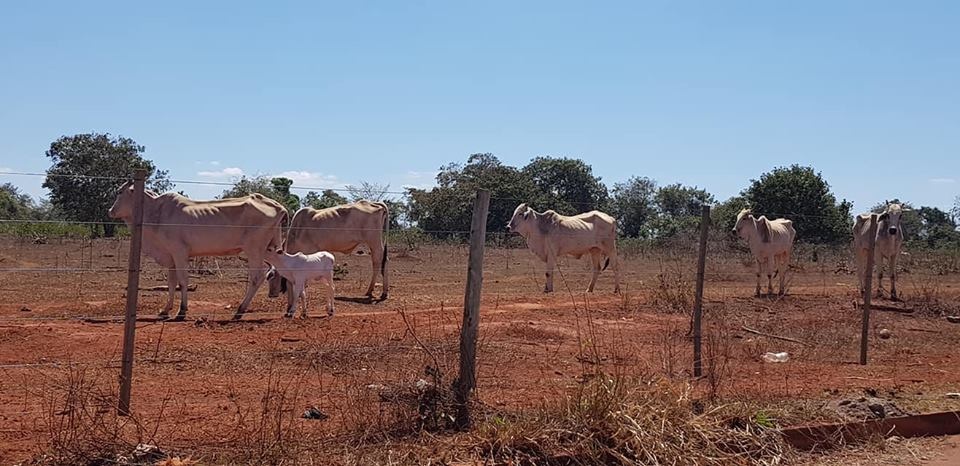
277, 285
518, 222
890, 219
744, 218
123, 206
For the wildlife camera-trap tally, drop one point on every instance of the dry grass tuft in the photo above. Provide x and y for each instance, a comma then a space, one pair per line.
618, 420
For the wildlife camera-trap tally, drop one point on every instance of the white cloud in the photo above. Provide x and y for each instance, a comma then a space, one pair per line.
229, 172
304, 178
215, 163
943, 180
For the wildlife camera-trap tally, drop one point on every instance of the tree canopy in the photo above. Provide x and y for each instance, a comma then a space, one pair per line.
801, 194
86, 171
277, 188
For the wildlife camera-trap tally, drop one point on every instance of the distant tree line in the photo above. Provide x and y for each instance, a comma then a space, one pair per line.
82, 180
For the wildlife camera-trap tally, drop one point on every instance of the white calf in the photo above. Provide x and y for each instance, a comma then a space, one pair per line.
300, 268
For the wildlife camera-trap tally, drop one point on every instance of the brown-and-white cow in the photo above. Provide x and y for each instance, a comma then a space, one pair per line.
340, 229
550, 235
771, 242
176, 228
889, 243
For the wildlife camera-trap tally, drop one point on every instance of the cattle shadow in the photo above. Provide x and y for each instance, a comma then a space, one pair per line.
360, 300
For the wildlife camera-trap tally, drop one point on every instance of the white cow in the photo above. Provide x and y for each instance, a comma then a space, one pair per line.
889, 243
550, 235
176, 228
300, 268
340, 229
771, 242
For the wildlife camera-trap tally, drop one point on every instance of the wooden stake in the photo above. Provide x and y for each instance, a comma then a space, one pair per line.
698, 298
868, 288
133, 286
467, 378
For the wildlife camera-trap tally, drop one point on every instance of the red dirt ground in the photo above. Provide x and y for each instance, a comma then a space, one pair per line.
196, 382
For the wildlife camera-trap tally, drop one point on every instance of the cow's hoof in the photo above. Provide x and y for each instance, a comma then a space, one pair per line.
179, 317
303, 317
288, 316
330, 313
163, 315
238, 316
383, 297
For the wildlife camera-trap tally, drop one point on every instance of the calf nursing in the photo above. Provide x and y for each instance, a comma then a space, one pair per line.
298, 269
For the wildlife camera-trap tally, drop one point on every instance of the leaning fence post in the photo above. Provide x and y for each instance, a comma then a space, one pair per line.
467, 378
698, 297
868, 287
133, 292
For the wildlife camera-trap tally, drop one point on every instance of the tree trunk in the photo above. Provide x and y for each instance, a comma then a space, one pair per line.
109, 230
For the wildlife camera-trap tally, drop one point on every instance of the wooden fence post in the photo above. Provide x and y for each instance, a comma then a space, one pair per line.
868, 288
133, 292
467, 378
698, 297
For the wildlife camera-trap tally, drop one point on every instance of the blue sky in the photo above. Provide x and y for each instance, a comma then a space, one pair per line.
703, 93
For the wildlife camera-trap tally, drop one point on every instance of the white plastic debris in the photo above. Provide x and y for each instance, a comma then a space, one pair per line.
776, 357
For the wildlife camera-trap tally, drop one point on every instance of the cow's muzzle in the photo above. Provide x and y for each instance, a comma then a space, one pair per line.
893, 231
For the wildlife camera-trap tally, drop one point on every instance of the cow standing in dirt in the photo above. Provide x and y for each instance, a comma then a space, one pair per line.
340, 229
176, 228
888, 247
771, 242
550, 235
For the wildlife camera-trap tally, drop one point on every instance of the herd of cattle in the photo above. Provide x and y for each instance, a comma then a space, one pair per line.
176, 228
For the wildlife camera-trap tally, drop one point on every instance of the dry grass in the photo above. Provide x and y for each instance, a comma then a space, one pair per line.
620, 420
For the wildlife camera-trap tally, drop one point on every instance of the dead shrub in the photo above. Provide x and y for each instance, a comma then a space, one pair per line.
674, 291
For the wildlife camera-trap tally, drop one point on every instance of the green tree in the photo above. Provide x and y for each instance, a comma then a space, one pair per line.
565, 185
723, 216
15, 205
633, 204
446, 209
277, 189
329, 198
801, 194
281, 186
679, 209
86, 171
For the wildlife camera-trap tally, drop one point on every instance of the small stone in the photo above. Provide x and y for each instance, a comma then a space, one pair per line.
953, 319
878, 410
953, 395
313, 413
885, 333
25, 309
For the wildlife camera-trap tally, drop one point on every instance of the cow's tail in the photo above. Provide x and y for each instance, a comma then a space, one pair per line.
606, 263
386, 233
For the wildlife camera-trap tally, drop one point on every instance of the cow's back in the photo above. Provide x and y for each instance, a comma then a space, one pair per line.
216, 227
341, 228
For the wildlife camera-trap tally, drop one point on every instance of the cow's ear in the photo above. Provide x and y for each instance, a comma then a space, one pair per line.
883, 216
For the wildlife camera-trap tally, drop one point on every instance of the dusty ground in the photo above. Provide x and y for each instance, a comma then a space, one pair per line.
200, 386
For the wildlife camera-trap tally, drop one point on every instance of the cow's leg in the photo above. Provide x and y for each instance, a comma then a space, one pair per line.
861, 278
782, 267
329, 282
171, 292
182, 265
303, 302
380, 260
551, 266
296, 293
879, 265
615, 261
595, 261
893, 277
256, 273
759, 271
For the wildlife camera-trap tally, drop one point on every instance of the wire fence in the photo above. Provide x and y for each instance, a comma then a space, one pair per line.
58, 290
